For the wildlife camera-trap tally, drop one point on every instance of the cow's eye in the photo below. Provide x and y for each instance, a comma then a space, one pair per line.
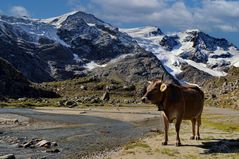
155, 89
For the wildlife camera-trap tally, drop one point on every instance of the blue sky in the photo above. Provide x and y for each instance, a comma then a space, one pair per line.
219, 18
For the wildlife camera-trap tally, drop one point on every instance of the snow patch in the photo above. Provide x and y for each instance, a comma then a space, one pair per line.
172, 60
91, 65
91, 24
36, 30
57, 21
119, 58
77, 58
236, 64
204, 68
141, 31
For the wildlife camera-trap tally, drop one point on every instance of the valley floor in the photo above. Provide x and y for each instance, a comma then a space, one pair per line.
219, 133
133, 132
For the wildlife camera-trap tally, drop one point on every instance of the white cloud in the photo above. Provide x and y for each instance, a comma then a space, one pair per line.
227, 28
19, 11
208, 15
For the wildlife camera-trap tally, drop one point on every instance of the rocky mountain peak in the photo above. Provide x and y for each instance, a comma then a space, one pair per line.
147, 31
205, 41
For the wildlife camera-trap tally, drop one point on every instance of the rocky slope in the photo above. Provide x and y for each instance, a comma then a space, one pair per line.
192, 49
13, 84
62, 47
78, 44
223, 91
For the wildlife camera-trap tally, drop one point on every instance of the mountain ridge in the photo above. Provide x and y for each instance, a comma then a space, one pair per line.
192, 47
76, 43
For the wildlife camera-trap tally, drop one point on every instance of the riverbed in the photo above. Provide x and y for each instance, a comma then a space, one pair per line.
77, 132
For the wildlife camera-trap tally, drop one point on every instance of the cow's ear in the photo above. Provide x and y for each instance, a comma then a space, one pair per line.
163, 87
149, 82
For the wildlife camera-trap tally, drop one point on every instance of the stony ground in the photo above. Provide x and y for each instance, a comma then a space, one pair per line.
219, 131
220, 139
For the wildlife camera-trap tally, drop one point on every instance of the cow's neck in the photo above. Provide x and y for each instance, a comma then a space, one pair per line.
161, 104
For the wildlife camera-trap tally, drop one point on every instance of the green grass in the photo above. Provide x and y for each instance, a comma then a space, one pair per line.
191, 156
138, 144
224, 127
167, 151
215, 121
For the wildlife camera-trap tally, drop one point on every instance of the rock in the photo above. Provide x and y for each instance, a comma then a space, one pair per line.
60, 103
82, 87
129, 87
168, 42
22, 99
213, 96
126, 101
155, 130
16, 121
110, 87
28, 144
106, 96
70, 103
53, 151
9, 156
54, 144
95, 100
44, 143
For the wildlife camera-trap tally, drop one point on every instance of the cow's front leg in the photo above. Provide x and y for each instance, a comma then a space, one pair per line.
177, 127
166, 125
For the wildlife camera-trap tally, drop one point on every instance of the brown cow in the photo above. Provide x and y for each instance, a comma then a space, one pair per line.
176, 102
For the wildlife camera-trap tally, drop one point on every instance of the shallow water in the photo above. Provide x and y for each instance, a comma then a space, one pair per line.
76, 135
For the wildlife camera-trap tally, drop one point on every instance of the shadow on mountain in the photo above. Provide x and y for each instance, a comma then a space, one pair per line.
14, 85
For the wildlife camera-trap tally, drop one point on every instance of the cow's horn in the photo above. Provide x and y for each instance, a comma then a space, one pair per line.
163, 76
149, 82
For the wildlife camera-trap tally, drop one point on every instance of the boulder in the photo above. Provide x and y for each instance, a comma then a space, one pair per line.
9, 156
106, 96
44, 143
70, 103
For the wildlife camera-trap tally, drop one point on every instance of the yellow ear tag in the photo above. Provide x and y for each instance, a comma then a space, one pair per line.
163, 87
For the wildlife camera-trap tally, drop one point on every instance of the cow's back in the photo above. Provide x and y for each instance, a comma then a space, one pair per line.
194, 99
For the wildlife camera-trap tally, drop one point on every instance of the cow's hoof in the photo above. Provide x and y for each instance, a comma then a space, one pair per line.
178, 144
192, 137
197, 138
164, 143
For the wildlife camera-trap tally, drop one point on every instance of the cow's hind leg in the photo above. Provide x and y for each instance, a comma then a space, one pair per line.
193, 129
177, 127
198, 125
166, 126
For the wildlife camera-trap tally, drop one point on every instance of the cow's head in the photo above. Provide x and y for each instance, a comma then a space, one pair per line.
155, 92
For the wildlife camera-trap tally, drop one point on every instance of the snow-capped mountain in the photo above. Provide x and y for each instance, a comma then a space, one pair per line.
61, 47
76, 43
192, 47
